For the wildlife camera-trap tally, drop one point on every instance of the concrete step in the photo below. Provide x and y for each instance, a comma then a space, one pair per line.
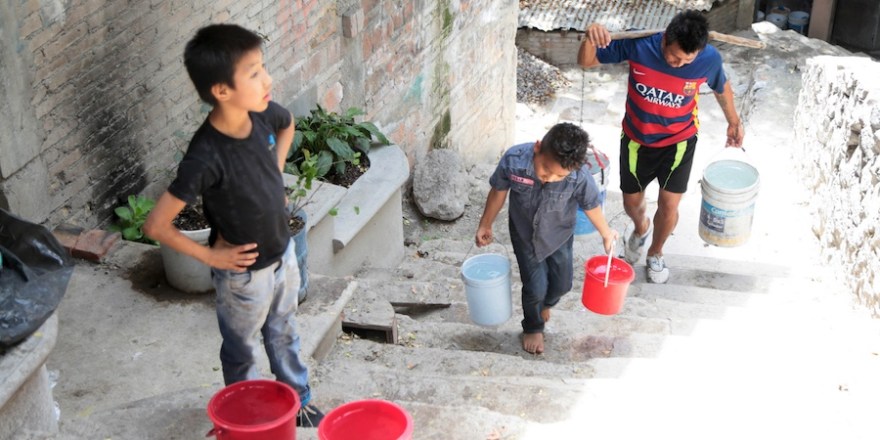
177, 415
416, 360
573, 337
541, 399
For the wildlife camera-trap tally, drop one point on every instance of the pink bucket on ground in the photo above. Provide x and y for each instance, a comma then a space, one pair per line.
370, 419
254, 410
597, 297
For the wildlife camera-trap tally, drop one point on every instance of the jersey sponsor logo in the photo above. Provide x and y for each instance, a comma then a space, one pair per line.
523, 180
658, 96
690, 88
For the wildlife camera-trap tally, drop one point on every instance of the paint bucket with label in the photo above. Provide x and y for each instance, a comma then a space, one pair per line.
729, 189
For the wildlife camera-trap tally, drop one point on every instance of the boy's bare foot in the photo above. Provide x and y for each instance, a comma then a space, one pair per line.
533, 343
545, 314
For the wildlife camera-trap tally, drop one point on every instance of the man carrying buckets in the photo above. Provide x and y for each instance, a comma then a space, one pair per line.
548, 182
660, 125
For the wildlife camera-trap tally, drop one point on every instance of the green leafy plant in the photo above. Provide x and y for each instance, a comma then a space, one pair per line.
306, 173
333, 139
132, 218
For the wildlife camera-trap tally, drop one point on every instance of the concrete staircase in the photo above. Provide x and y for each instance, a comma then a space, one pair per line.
462, 381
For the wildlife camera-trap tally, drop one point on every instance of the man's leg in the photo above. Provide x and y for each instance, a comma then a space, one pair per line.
678, 161
665, 220
636, 208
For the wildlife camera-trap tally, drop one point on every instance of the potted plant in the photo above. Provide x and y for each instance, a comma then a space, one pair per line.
337, 142
183, 272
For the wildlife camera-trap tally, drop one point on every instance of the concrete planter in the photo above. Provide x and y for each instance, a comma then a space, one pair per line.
26, 403
185, 273
368, 225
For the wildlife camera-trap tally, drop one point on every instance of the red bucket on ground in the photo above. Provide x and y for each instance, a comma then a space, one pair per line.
370, 419
606, 300
254, 410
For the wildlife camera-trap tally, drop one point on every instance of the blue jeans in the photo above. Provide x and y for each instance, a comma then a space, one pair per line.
261, 302
544, 282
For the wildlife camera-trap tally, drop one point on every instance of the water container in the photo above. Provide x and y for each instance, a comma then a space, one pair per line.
370, 419
778, 19
486, 280
798, 21
596, 296
254, 410
729, 189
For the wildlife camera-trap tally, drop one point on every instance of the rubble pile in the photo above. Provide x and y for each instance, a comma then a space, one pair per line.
536, 80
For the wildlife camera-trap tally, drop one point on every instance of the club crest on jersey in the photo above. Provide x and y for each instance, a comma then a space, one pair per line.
690, 88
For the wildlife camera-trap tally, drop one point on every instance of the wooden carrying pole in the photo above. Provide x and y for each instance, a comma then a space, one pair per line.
739, 41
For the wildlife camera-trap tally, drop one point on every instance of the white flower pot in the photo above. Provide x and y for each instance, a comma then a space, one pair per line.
185, 273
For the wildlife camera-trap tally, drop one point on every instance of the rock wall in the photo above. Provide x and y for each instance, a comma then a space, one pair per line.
98, 106
837, 127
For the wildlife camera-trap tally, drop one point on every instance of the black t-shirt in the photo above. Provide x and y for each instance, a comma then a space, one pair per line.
241, 187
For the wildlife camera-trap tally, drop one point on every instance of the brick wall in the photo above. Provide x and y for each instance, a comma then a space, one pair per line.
100, 106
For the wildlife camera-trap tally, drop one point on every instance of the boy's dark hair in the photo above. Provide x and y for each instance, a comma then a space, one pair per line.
210, 57
689, 29
567, 144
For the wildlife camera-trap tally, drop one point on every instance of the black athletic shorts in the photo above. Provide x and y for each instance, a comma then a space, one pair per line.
640, 165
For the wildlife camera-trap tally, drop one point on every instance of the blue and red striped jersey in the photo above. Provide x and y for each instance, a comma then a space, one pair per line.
661, 103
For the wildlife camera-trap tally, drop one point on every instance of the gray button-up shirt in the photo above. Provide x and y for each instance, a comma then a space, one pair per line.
542, 214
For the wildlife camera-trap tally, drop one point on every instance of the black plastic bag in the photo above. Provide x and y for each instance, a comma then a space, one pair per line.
34, 275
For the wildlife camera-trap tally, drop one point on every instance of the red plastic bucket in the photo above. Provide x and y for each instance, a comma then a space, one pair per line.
371, 419
254, 410
597, 297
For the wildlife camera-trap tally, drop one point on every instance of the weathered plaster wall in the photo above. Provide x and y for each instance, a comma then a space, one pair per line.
97, 104
837, 126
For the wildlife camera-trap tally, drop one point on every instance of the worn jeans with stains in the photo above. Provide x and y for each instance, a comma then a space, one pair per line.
261, 302
544, 282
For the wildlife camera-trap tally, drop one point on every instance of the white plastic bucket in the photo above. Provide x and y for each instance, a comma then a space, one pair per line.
778, 19
729, 188
486, 280
797, 21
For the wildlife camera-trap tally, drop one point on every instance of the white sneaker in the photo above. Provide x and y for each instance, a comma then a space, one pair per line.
634, 246
658, 273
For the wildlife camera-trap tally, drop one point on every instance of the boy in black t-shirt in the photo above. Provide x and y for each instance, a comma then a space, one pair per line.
234, 163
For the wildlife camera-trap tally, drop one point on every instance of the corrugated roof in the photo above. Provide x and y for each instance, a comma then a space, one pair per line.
616, 15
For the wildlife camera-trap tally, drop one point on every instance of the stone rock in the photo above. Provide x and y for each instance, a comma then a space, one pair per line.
440, 185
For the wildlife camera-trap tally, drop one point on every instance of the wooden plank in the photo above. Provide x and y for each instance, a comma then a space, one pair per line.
732, 39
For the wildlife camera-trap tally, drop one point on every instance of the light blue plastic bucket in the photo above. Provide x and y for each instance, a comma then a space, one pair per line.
778, 19
583, 225
798, 20
729, 188
486, 280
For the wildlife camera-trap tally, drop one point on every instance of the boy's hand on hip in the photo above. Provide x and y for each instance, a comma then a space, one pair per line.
236, 258
484, 236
